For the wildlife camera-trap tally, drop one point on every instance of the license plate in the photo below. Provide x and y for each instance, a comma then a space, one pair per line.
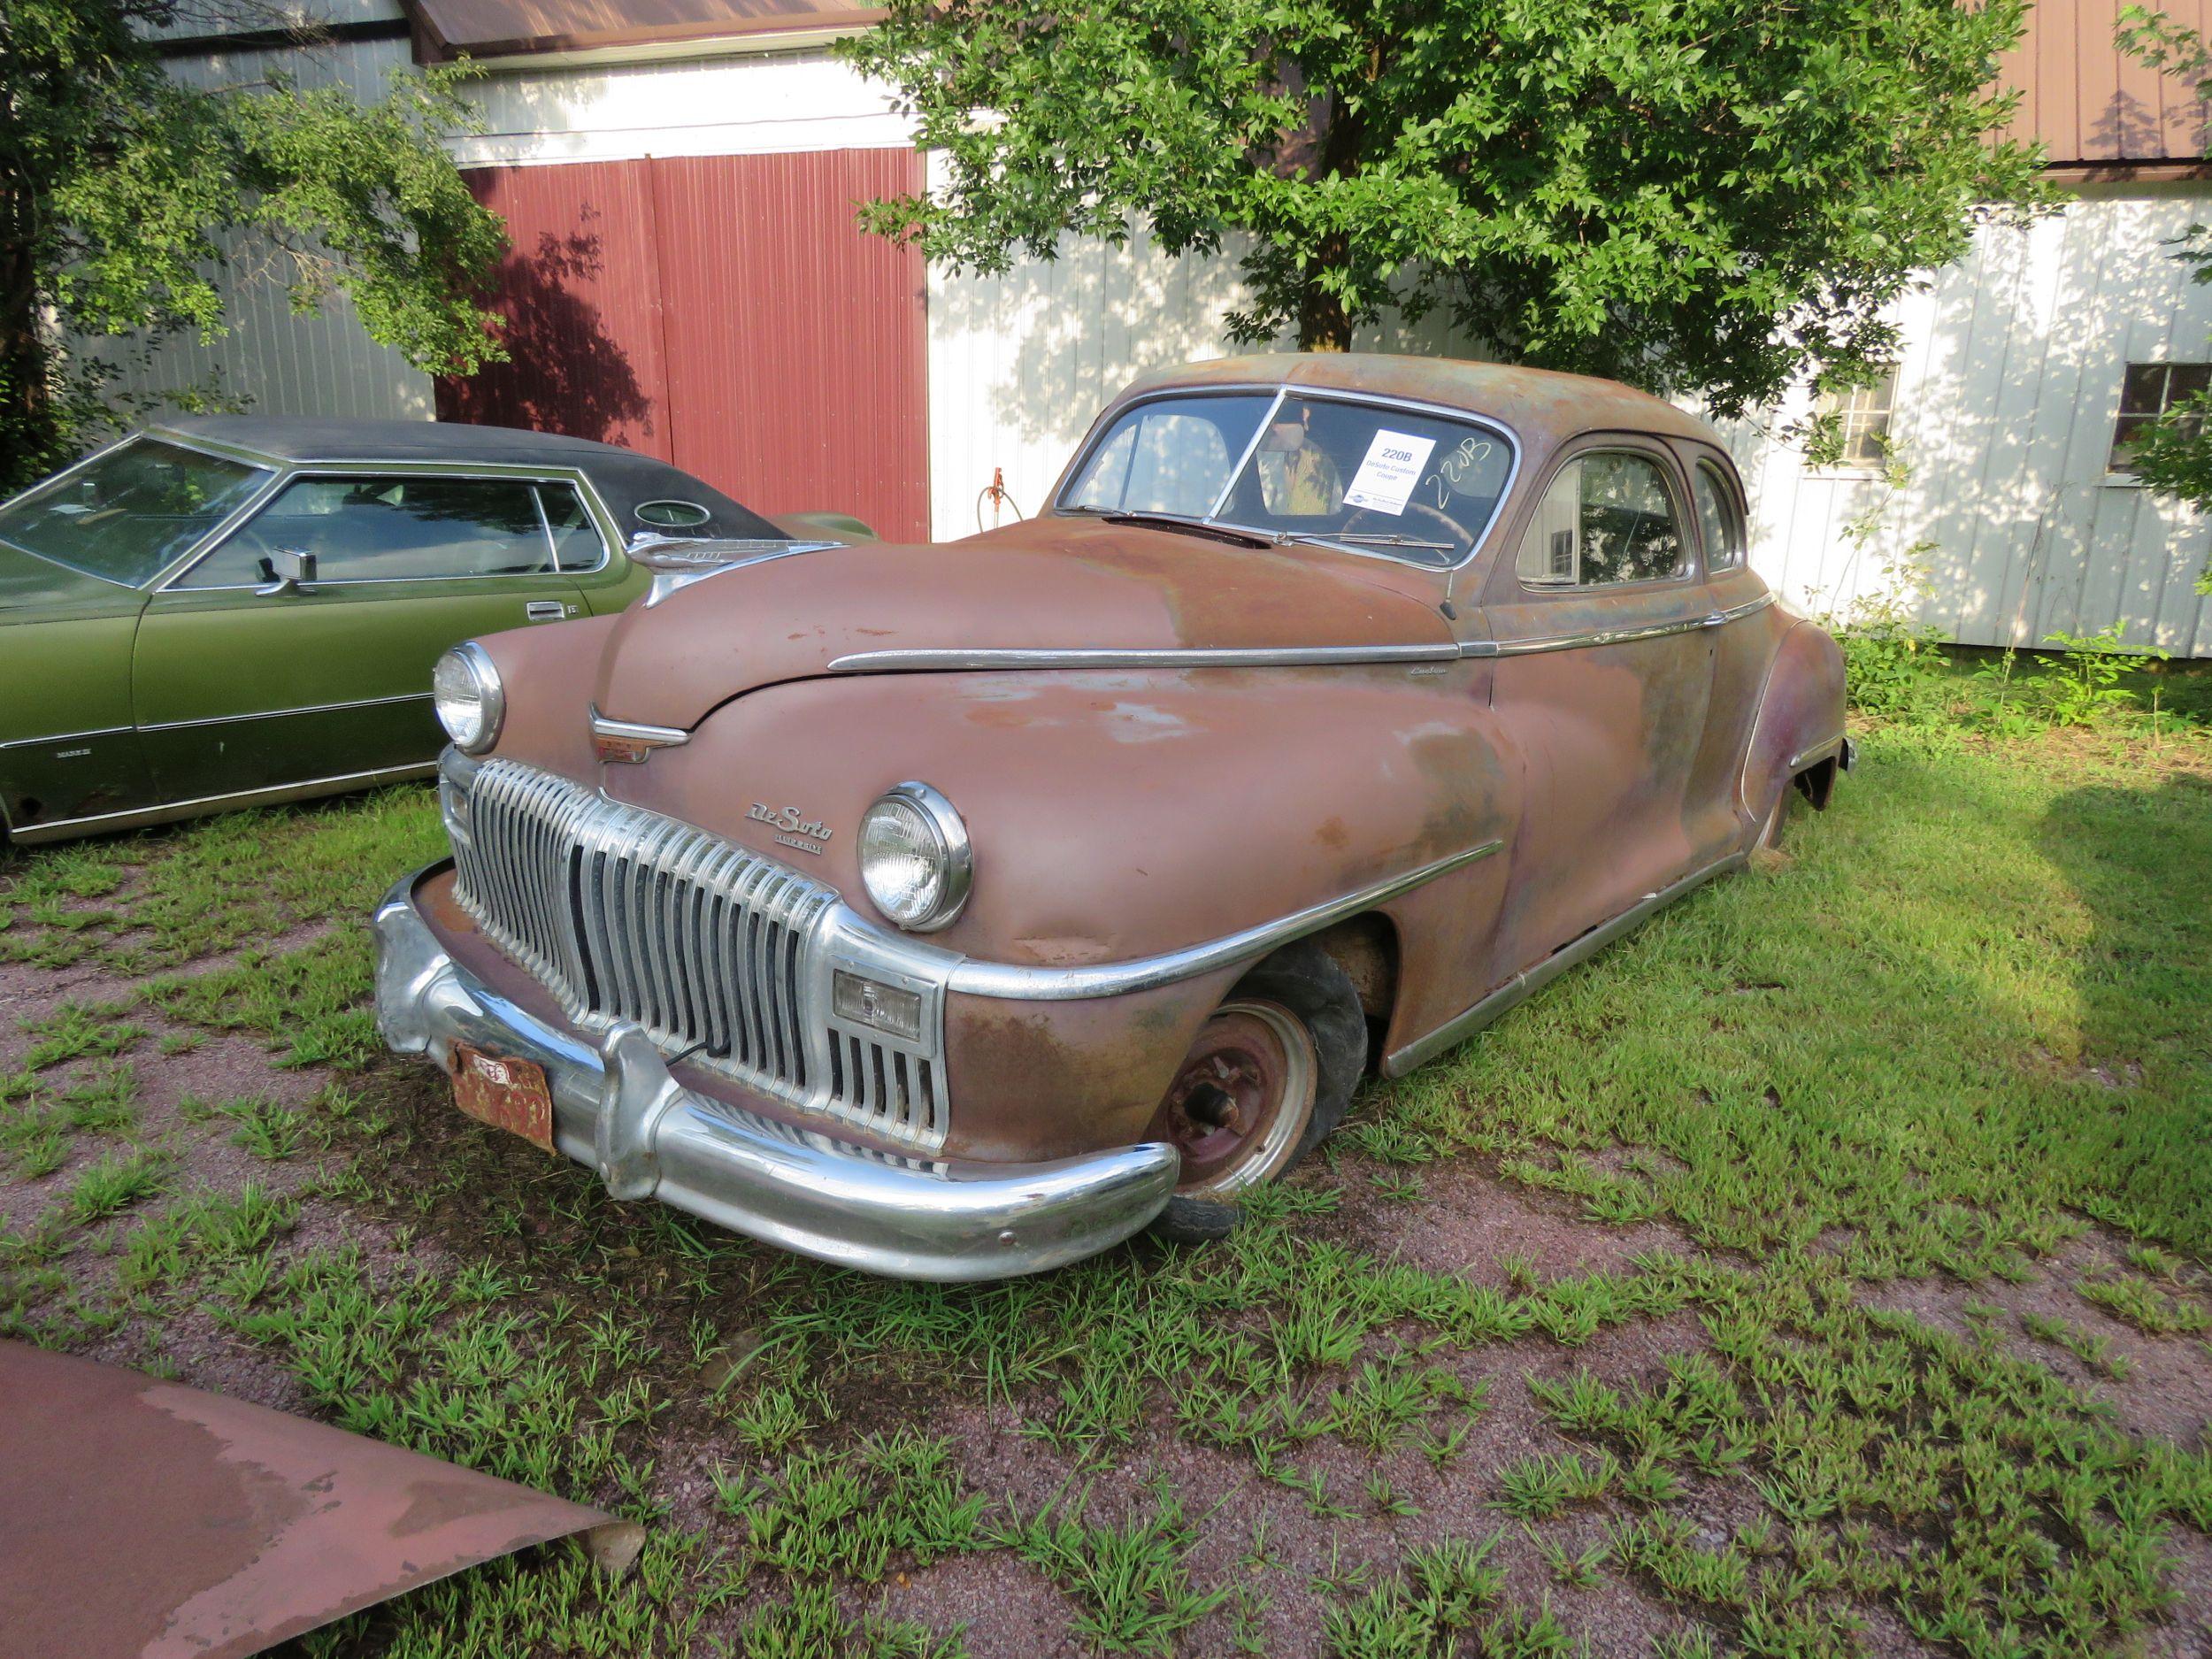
510, 1094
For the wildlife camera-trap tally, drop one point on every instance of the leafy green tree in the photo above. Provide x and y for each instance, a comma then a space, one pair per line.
2173, 453
124, 195
1708, 195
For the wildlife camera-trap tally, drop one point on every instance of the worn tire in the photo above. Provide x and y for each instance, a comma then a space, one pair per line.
1306, 980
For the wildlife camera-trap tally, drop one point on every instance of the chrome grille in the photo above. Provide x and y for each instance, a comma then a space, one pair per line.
627, 914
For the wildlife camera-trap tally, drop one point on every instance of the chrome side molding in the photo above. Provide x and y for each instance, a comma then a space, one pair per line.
1018, 983
988, 659
985, 659
1614, 636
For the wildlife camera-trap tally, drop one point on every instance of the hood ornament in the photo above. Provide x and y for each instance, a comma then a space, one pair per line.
676, 562
629, 742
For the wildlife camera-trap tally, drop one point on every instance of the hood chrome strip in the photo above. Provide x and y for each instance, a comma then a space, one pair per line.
986, 658
892, 661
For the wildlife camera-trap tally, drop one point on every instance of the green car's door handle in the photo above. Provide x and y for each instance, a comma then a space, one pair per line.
545, 610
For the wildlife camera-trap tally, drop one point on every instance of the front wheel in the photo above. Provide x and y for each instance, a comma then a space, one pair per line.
1269, 1075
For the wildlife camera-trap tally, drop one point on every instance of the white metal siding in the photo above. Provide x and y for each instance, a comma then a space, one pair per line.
2007, 390
725, 106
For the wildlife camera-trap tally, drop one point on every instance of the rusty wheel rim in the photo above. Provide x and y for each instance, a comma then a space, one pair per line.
1241, 1100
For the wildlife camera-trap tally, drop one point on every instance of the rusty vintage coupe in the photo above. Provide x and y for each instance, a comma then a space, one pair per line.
958, 912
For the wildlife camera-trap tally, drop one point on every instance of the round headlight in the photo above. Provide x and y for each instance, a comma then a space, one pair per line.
464, 687
914, 857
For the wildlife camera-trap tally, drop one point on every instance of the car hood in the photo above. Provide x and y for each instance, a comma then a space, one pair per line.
1062, 584
33, 589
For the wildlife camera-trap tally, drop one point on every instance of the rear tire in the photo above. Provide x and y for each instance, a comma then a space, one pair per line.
1268, 1076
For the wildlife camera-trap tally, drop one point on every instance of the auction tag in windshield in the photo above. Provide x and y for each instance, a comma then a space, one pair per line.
1385, 479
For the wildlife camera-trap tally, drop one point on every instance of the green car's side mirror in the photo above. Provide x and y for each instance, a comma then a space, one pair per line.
285, 571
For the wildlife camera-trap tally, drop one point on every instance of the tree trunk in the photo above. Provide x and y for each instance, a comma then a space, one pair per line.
26, 416
1322, 323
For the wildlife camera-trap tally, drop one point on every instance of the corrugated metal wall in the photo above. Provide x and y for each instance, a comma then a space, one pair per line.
2091, 102
726, 313
797, 345
281, 361
582, 293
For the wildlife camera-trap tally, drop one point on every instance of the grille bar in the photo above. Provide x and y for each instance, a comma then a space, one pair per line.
627, 915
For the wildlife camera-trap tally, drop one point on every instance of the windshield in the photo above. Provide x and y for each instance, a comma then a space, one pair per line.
126, 515
1295, 466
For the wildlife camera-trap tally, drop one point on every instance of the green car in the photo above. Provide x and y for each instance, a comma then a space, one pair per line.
231, 612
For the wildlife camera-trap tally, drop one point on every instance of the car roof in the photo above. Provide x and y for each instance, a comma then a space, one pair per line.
282, 439
1542, 407
623, 477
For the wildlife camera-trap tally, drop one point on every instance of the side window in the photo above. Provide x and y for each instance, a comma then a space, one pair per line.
406, 529
1717, 518
1607, 518
577, 545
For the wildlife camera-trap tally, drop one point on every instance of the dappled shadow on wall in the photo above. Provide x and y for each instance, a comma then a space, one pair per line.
2129, 129
1055, 338
565, 372
2012, 430
2009, 378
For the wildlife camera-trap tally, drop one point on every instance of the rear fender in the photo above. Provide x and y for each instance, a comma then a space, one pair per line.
1799, 722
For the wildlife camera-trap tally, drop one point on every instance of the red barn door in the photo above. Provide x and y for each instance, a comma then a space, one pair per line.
726, 313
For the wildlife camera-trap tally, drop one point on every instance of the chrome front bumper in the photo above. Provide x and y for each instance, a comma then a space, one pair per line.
618, 1109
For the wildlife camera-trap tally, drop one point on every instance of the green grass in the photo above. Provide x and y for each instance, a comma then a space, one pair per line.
1952, 1051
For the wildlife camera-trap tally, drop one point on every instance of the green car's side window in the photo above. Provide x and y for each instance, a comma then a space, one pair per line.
411, 528
127, 513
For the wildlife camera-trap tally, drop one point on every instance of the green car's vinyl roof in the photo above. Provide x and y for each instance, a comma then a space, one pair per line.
624, 477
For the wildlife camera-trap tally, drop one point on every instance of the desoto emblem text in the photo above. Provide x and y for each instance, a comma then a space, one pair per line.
793, 828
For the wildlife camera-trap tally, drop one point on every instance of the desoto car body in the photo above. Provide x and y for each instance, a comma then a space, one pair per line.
227, 610
956, 912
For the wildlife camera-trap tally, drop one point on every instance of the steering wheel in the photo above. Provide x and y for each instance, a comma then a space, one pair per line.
1454, 537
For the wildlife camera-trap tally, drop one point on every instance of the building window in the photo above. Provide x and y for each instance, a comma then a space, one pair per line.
1864, 414
2148, 391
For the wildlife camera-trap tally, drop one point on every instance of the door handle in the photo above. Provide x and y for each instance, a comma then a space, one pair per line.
545, 610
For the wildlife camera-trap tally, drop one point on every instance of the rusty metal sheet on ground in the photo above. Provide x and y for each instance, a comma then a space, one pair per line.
142, 1517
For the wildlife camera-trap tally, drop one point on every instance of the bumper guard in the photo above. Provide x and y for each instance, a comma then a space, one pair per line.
618, 1109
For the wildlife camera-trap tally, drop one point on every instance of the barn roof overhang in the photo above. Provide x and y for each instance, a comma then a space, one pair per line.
493, 31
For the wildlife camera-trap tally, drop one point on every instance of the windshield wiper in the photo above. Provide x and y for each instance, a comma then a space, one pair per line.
1207, 527
1365, 539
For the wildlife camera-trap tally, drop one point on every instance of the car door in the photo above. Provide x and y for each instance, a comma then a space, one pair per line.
241, 683
1601, 679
